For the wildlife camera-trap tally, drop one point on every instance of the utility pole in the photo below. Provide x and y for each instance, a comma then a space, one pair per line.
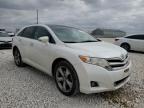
37, 15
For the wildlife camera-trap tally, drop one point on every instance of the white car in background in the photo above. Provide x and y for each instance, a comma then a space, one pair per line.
77, 61
5, 40
133, 42
11, 34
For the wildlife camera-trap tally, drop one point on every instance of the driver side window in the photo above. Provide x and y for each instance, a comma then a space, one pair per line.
41, 31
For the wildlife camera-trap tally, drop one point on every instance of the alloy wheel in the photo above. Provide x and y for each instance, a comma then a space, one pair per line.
64, 79
126, 47
17, 57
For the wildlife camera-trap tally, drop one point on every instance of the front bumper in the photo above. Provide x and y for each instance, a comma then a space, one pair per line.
107, 80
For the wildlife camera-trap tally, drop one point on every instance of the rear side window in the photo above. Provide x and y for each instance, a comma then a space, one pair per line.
140, 37
28, 32
41, 31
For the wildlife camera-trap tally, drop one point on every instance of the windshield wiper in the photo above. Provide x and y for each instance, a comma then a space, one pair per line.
90, 41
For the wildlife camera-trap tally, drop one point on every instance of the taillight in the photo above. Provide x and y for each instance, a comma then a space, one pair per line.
116, 39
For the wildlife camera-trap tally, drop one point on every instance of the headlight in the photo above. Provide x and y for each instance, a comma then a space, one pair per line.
96, 61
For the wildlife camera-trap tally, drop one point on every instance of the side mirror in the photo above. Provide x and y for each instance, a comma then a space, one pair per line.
44, 39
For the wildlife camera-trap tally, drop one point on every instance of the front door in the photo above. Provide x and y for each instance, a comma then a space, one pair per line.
42, 53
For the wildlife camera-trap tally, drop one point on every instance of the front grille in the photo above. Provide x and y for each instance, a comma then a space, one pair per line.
113, 60
117, 63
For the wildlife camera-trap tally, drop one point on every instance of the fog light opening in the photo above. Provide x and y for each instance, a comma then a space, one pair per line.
94, 84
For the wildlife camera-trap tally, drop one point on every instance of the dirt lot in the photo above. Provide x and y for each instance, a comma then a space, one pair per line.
29, 88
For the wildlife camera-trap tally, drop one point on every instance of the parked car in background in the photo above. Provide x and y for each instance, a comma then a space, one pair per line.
76, 60
133, 42
11, 34
2, 30
5, 40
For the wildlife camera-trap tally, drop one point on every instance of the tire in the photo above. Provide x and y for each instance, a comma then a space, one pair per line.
66, 78
126, 47
17, 58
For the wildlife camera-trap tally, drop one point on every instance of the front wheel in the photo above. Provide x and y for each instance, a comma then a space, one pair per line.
17, 58
126, 47
66, 78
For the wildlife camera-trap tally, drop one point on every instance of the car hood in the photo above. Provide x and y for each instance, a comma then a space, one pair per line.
99, 49
5, 39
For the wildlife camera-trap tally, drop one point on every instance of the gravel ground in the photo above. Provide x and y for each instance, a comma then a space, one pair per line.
29, 88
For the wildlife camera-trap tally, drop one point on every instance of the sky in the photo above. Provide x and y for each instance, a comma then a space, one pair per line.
126, 15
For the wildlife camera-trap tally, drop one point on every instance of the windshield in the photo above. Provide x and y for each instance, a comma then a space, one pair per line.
72, 35
3, 34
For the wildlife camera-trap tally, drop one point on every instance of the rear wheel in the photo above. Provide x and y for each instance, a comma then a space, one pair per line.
126, 47
17, 58
66, 78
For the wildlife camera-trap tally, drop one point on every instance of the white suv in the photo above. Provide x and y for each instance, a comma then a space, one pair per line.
77, 61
